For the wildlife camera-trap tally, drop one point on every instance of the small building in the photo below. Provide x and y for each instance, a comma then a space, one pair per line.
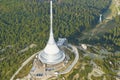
84, 46
62, 41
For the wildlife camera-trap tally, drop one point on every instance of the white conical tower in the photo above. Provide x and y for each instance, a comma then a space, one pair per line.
100, 19
51, 53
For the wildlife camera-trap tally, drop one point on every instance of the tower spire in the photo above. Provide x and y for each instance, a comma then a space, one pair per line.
51, 37
51, 53
51, 18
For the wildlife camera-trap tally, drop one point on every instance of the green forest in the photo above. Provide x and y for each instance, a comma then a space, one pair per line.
25, 22
113, 36
111, 39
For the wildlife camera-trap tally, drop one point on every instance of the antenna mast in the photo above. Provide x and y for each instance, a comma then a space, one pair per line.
51, 18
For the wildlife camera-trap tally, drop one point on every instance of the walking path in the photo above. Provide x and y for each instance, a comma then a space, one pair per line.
74, 62
23, 64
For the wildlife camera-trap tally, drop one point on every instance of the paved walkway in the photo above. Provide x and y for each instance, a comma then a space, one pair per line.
23, 64
74, 62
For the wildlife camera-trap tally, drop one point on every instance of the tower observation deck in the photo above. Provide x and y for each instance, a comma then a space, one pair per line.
51, 54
